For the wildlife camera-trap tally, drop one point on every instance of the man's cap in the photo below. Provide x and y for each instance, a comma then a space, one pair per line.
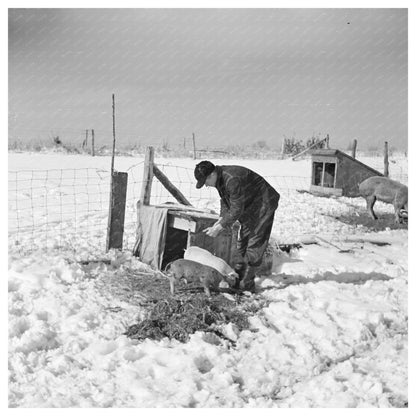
202, 171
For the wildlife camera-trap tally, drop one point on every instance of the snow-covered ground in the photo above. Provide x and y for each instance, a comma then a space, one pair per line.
335, 333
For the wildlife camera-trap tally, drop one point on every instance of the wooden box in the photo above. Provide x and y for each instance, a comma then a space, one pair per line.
186, 228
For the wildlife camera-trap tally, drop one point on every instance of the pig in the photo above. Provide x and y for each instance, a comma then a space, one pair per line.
191, 270
203, 256
380, 188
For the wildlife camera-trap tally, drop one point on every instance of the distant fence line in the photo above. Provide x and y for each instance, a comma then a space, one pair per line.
78, 141
67, 209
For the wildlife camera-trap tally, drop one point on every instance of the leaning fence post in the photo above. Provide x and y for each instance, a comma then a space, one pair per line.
386, 159
147, 176
174, 191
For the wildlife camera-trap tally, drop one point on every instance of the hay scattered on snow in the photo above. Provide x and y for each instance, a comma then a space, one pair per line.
175, 317
178, 318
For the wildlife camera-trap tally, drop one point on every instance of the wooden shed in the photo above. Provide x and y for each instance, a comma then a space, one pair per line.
336, 173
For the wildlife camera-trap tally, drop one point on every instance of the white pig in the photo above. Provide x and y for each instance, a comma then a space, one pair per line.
380, 188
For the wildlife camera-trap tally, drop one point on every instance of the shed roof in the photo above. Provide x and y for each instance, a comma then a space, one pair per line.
327, 152
339, 153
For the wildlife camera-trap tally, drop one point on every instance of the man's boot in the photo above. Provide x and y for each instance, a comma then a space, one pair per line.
240, 269
247, 282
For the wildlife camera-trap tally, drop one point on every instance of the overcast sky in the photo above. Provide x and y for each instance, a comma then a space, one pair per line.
232, 76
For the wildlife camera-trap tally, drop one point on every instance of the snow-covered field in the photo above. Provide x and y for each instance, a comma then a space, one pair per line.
335, 333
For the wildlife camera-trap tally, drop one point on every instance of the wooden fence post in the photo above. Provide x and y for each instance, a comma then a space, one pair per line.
147, 176
114, 134
115, 228
118, 191
85, 141
386, 159
354, 148
193, 141
92, 143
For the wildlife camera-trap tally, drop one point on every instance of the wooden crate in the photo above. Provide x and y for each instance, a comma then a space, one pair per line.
193, 223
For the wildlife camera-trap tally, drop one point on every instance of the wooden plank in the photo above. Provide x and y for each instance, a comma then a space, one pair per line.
176, 207
222, 246
164, 180
201, 240
147, 176
182, 223
310, 147
323, 158
115, 228
195, 215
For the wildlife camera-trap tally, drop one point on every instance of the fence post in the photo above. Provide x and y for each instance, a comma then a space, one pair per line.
92, 143
386, 159
114, 134
118, 191
115, 228
147, 176
354, 148
193, 141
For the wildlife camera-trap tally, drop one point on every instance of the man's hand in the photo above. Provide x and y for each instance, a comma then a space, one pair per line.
214, 230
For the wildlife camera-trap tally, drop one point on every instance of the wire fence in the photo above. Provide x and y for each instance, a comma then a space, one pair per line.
57, 208
67, 209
